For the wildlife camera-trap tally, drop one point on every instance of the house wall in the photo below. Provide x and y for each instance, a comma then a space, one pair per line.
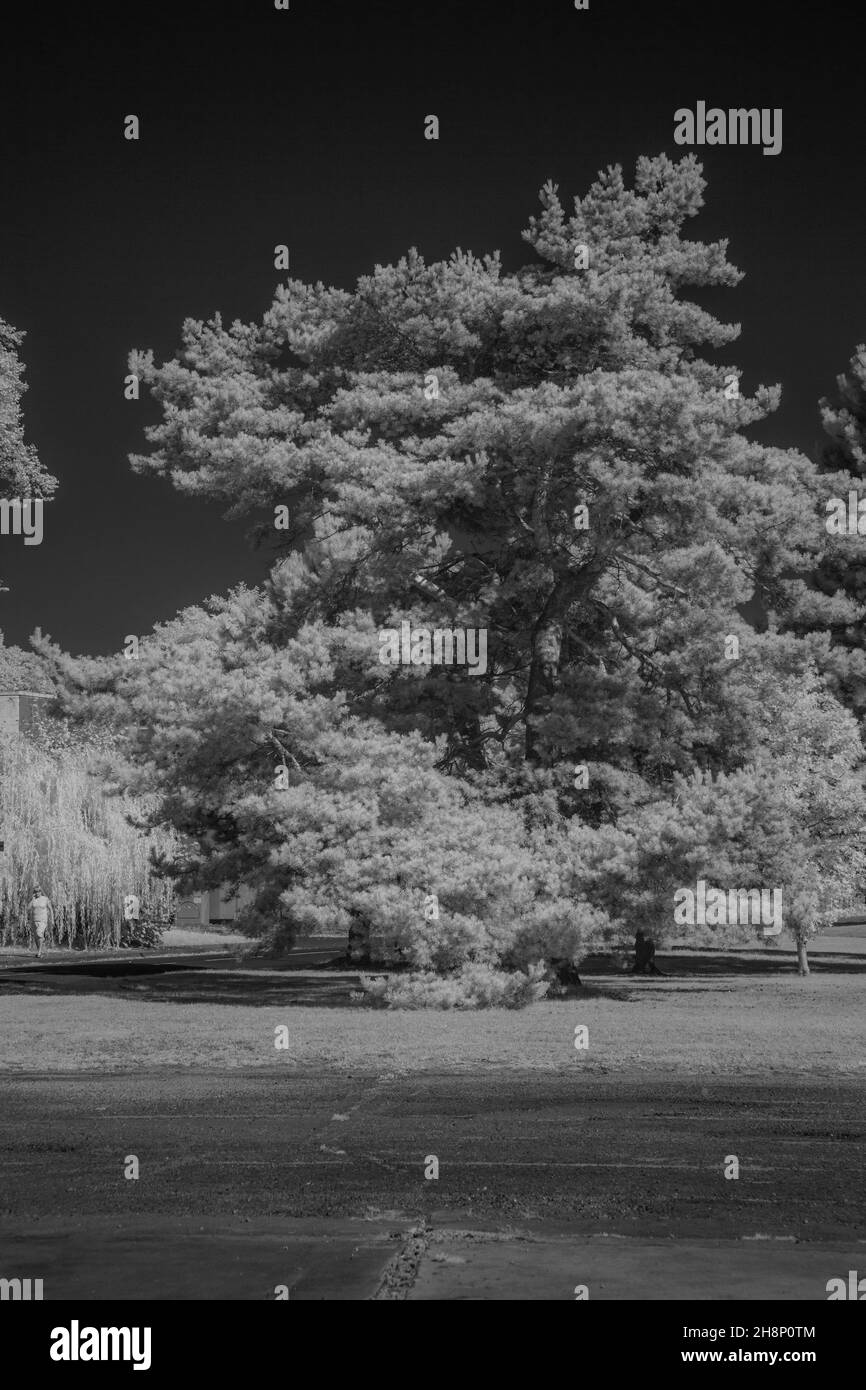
9, 716
26, 707
224, 906
17, 709
215, 906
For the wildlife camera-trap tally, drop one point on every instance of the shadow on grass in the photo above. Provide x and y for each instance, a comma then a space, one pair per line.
772, 963
323, 990
179, 984
329, 983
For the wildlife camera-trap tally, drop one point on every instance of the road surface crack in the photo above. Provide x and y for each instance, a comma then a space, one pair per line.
402, 1271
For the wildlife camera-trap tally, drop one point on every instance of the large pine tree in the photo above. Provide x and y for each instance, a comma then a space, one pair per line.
545, 455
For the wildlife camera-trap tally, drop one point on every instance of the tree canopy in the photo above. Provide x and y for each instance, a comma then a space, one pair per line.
548, 456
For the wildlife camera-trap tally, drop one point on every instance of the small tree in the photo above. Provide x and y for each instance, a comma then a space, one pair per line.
792, 818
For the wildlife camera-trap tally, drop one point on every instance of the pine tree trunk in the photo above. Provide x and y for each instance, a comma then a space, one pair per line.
467, 743
359, 940
543, 672
547, 640
802, 958
547, 633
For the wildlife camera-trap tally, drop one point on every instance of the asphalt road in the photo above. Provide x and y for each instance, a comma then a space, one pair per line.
316, 1183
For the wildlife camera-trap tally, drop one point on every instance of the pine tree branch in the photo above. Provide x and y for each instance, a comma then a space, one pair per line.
663, 583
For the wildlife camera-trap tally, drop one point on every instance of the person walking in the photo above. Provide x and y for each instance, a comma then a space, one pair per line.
131, 914
41, 914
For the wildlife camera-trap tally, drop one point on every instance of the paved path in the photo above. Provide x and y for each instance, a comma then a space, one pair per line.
317, 1182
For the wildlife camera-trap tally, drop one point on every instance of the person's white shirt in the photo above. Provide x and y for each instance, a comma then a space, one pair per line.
40, 906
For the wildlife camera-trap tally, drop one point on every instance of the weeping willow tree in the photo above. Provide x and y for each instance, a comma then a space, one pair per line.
63, 830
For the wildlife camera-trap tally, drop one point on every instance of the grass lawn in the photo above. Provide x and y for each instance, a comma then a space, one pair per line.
203, 936
175, 938
718, 1019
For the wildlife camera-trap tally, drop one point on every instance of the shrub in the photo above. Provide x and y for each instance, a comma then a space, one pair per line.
556, 931
474, 986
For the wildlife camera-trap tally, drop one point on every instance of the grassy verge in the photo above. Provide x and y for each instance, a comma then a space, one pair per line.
175, 938
729, 1024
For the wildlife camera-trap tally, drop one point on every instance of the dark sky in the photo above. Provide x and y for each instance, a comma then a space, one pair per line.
306, 127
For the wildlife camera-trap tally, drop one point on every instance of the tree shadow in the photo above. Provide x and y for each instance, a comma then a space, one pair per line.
290, 981
772, 963
323, 990
173, 983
